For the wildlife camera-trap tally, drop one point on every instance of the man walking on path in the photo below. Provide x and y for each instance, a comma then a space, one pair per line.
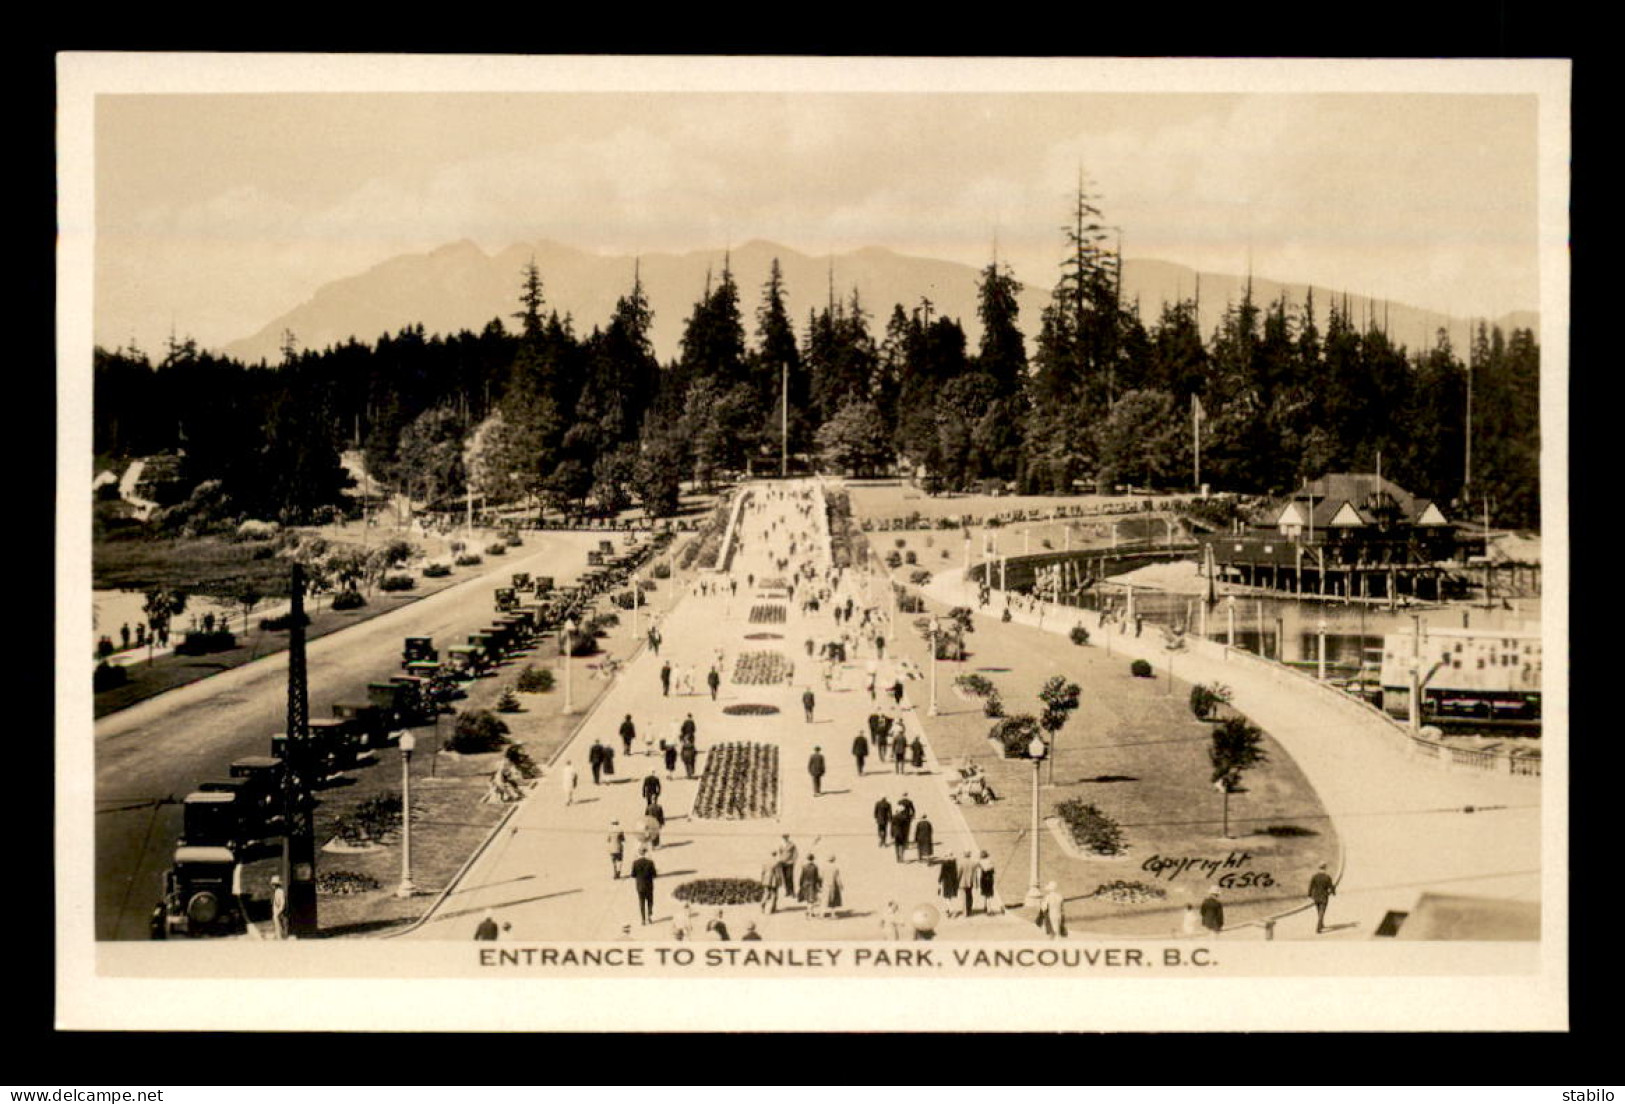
1213, 912
815, 767
899, 752
643, 874
969, 874
917, 754
689, 729
654, 639
595, 761
689, 755
901, 823
651, 787
807, 703
713, 680
883, 819
1321, 889
880, 646
881, 727
897, 691
860, 750
629, 732
665, 679
787, 866
569, 783
772, 879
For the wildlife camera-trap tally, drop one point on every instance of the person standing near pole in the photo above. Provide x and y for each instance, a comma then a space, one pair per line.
1321, 888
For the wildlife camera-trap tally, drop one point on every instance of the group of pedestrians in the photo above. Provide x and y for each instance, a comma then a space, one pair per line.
819, 888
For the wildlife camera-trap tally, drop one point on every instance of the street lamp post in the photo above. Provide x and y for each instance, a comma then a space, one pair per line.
406, 888
569, 646
932, 641
1230, 630
1036, 751
1320, 649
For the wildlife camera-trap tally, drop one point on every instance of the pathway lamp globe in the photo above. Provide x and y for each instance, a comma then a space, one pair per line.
406, 889
1037, 751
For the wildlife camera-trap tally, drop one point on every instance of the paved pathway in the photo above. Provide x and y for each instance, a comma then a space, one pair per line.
547, 869
1401, 819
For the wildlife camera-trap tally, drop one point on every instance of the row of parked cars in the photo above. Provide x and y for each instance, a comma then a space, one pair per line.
231, 821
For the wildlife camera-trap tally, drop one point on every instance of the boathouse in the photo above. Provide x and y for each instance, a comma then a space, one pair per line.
1347, 535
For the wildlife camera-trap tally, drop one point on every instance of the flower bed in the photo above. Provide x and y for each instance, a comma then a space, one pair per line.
343, 883
750, 709
1090, 828
761, 668
764, 636
741, 780
778, 582
719, 891
1129, 893
769, 613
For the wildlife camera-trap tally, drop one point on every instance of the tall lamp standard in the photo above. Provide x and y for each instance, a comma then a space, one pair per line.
1037, 750
931, 640
569, 647
406, 888
1320, 649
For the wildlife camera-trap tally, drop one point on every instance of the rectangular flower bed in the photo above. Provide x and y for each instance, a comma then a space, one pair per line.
740, 781
768, 613
761, 668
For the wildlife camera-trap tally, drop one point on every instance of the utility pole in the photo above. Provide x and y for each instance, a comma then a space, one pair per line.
299, 845
784, 422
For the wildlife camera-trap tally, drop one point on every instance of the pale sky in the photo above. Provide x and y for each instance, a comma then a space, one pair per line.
218, 212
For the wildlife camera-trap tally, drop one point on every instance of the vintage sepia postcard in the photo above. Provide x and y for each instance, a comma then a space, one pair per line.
1061, 544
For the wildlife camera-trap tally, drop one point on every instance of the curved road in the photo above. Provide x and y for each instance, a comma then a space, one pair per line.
160, 749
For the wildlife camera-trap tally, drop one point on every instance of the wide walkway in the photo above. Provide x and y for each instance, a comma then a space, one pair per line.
547, 871
1407, 825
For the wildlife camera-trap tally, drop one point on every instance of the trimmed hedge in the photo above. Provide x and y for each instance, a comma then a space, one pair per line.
348, 600
1140, 669
477, 732
535, 680
1091, 829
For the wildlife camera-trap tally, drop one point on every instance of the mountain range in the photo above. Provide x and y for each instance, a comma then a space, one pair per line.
460, 286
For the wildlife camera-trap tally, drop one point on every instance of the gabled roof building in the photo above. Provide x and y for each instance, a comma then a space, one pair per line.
1346, 534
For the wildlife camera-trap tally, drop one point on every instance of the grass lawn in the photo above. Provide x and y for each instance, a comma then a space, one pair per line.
1134, 750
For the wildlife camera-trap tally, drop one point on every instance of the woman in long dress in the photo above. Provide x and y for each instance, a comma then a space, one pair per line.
830, 898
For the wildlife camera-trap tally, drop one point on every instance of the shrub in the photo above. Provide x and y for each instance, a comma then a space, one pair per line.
902, 541
662, 570
910, 603
520, 758
252, 530
108, 676
345, 883
919, 578
371, 820
397, 552
1079, 635
623, 599
469, 559
477, 731
1140, 669
894, 559
993, 705
977, 686
1013, 734
508, 702
1091, 829
436, 570
395, 582
496, 548
202, 643
535, 680
348, 600
282, 623
1205, 700
910, 558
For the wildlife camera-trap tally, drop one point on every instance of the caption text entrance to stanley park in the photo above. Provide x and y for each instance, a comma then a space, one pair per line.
846, 958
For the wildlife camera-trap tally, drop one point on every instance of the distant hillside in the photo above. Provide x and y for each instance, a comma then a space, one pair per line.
459, 286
